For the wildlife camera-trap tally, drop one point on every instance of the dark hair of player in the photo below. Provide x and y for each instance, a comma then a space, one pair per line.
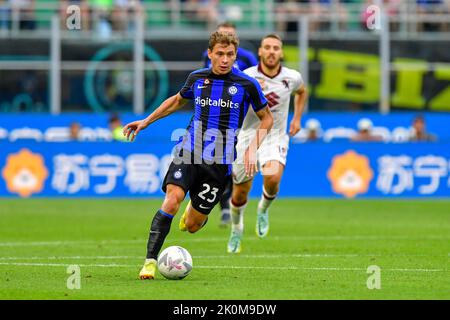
272, 35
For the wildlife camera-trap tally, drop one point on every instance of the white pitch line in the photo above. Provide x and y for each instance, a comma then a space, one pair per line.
70, 257
28, 264
313, 255
320, 268
219, 267
276, 256
221, 239
261, 256
60, 243
244, 256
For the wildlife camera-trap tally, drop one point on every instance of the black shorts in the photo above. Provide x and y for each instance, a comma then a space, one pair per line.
205, 183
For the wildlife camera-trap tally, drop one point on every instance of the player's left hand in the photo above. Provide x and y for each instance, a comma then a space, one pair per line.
294, 128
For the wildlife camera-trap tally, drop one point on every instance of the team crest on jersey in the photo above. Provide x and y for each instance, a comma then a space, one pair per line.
206, 81
272, 99
177, 174
232, 90
286, 83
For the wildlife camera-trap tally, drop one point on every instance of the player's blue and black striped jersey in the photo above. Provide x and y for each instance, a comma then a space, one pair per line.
244, 59
221, 103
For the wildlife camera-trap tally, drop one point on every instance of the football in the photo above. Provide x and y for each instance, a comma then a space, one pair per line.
175, 263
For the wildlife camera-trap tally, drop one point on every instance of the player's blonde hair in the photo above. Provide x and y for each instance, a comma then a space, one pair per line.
223, 38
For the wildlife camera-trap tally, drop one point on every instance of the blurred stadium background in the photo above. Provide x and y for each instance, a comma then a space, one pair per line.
377, 126
63, 79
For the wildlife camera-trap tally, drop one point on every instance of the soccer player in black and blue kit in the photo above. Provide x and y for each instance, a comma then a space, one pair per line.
244, 60
222, 95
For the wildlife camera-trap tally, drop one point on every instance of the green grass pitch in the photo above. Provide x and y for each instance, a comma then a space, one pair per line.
316, 249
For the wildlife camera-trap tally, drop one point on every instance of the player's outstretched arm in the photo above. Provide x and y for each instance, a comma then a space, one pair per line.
170, 105
301, 96
264, 127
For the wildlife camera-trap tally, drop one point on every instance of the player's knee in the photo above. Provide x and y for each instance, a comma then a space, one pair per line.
271, 183
174, 197
171, 203
239, 197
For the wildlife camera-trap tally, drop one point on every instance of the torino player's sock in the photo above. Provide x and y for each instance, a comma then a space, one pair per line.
265, 200
237, 228
237, 216
158, 231
262, 216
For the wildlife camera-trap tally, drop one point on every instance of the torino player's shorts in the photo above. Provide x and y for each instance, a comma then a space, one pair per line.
272, 148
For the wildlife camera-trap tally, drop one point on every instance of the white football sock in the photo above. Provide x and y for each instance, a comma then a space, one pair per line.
237, 217
266, 200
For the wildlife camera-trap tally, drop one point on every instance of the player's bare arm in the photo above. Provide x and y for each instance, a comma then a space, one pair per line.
301, 96
265, 116
169, 106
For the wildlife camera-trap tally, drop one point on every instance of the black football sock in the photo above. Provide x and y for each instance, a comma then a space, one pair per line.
158, 232
225, 200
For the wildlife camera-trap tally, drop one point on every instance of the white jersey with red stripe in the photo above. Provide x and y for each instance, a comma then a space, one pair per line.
278, 91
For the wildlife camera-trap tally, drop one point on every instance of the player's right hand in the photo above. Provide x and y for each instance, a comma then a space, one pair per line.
250, 162
132, 129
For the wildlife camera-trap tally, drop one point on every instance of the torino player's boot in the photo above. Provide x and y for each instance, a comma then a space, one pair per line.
262, 214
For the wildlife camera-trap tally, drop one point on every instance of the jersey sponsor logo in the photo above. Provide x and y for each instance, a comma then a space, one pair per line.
232, 90
203, 102
272, 99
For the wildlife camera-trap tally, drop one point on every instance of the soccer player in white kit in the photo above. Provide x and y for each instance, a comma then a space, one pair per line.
278, 84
